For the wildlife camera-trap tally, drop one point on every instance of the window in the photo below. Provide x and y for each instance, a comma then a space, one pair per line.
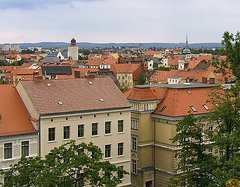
120, 149
66, 132
51, 134
94, 129
135, 106
7, 150
80, 130
107, 127
134, 166
193, 108
210, 151
162, 109
25, 148
134, 143
107, 151
206, 107
120, 125
134, 124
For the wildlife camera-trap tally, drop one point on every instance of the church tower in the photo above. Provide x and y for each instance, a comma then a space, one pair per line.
73, 50
186, 50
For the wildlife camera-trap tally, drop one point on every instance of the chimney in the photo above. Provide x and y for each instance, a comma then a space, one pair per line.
211, 80
76, 74
204, 79
36, 76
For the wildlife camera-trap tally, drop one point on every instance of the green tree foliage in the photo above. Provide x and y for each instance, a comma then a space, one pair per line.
141, 79
27, 51
69, 165
195, 138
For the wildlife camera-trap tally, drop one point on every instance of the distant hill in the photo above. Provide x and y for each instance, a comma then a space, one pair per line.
91, 45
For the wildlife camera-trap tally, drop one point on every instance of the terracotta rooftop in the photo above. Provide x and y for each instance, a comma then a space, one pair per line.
179, 102
15, 118
145, 93
74, 95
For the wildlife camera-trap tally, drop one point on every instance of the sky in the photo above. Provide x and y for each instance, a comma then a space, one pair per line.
117, 21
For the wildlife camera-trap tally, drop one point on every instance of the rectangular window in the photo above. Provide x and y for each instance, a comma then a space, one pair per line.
7, 150
134, 123
120, 125
107, 127
134, 166
25, 148
210, 151
107, 151
120, 149
134, 143
51, 134
80, 130
66, 132
94, 129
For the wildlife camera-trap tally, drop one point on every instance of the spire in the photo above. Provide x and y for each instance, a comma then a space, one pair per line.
186, 42
186, 50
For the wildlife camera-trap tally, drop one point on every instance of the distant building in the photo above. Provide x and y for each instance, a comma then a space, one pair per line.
73, 50
186, 50
11, 47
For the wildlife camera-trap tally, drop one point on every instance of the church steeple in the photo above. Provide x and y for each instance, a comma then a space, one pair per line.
186, 50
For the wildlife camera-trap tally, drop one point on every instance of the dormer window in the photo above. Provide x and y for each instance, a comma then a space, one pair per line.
162, 109
193, 108
206, 107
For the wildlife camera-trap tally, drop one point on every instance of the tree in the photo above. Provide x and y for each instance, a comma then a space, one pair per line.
201, 168
141, 79
69, 165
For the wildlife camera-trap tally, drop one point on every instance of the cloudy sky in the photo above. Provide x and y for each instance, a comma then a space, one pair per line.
117, 20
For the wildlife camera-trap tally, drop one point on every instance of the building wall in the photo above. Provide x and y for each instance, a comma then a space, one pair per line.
16, 149
73, 53
125, 79
102, 139
27, 101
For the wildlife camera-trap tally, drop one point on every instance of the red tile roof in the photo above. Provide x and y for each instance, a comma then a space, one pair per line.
135, 69
15, 118
152, 53
145, 93
174, 60
178, 101
94, 62
75, 95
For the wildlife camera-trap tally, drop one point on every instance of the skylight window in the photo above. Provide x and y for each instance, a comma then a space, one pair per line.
193, 108
90, 82
101, 100
60, 103
188, 92
154, 90
206, 107
162, 109
48, 84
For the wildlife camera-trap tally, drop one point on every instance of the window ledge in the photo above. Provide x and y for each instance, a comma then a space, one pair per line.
108, 158
119, 156
108, 134
81, 137
94, 136
120, 132
52, 141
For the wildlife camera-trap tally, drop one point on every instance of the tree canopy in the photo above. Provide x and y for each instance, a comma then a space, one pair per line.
69, 165
209, 153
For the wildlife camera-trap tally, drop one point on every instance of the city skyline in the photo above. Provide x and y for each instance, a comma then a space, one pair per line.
117, 21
